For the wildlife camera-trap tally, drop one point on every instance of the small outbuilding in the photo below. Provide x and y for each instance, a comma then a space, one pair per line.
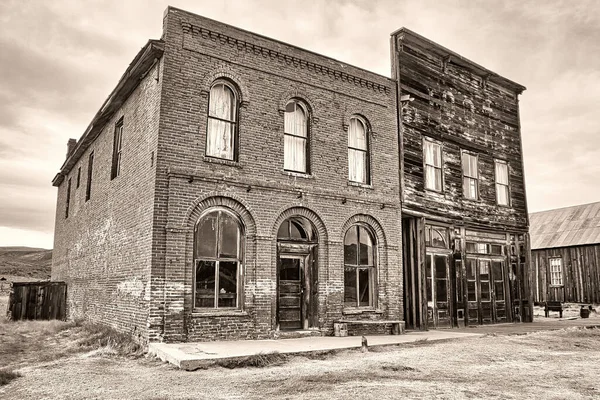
565, 254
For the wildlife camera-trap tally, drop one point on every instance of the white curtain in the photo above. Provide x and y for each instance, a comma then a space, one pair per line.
357, 151
470, 172
296, 132
502, 183
221, 122
433, 165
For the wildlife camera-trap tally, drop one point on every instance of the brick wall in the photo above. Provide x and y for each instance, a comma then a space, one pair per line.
267, 73
103, 249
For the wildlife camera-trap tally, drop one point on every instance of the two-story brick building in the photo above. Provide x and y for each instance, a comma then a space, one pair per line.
234, 186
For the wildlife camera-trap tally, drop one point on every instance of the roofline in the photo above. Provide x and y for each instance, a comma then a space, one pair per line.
141, 64
565, 247
282, 42
473, 65
565, 207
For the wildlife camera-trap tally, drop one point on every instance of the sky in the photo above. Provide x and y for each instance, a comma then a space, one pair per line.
60, 59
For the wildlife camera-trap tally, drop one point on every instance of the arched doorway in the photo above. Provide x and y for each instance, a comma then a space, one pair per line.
297, 244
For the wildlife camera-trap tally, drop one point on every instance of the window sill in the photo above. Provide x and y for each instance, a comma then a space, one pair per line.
297, 174
360, 185
357, 311
222, 161
213, 312
440, 192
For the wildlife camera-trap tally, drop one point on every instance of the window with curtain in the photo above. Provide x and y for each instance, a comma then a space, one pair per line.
358, 151
218, 244
222, 122
502, 192
295, 147
432, 155
556, 273
359, 267
470, 176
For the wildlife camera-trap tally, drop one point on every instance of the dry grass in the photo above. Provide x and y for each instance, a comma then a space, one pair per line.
260, 360
6, 376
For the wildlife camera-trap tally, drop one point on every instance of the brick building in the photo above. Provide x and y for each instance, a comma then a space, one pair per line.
234, 186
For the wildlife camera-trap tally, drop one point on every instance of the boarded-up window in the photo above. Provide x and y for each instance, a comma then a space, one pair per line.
470, 176
556, 272
359, 267
222, 119
295, 146
358, 151
218, 239
432, 156
502, 192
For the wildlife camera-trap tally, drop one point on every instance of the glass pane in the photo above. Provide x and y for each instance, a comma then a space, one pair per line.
429, 289
438, 179
441, 290
501, 173
357, 166
283, 232
228, 273
351, 246
205, 284
471, 247
496, 249
297, 231
471, 267
222, 102
438, 237
471, 292
485, 291
428, 265
219, 139
499, 291
357, 137
289, 269
440, 267
363, 287
497, 270
484, 270
295, 119
366, 247
294, 153
206, 236
228, 246
350, 287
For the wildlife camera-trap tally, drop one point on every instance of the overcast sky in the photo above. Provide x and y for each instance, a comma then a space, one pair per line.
59, 60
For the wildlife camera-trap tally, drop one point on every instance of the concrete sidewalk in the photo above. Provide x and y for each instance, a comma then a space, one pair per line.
190, 356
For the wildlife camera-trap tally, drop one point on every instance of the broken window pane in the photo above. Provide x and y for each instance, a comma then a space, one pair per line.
228, 283
289, 269
351, 246
205, 283
366, 247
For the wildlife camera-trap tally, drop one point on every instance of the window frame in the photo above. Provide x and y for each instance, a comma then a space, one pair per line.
372, 269
240, 261
235, 122
68, 200
307, 114
366, 151
115, 169
88, 188
507, 185
556, 273
78, 177
470, 178
440, 168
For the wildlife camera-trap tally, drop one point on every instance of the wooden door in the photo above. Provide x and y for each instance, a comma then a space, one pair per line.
499, 294
438, 290
292, 310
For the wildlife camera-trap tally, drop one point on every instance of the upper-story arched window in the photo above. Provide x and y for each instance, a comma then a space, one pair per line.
221, 131
358, 151
295, 147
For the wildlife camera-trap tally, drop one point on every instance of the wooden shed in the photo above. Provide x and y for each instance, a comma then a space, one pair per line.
565, 254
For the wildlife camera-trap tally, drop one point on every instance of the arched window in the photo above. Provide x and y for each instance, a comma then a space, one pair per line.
358, 151
221, 130
359, 267
218, 244
295, 146
296, 229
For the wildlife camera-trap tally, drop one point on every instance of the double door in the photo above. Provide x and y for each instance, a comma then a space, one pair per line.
485, 290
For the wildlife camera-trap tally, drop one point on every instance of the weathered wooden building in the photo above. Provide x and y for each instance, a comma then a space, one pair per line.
465, 225
565, 254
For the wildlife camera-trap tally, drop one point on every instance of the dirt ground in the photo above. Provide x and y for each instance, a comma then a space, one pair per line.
563, 364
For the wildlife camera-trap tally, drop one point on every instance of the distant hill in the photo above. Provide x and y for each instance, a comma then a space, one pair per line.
25, 263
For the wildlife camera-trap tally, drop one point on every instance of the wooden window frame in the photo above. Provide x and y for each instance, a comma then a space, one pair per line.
88, 188
306, 138
440, 168
471, 178
507, 185
559, 273
217, 260
366, 151
115, 169
372, 269
235, 122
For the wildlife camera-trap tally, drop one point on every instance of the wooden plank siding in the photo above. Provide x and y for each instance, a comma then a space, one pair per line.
581, 274
37, 301
462, 111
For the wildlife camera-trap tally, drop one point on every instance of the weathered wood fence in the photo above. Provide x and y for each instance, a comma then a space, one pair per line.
38, 300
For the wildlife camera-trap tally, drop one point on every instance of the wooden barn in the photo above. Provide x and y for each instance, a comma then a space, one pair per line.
565, 254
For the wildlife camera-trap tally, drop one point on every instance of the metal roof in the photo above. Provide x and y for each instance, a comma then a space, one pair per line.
562, 227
